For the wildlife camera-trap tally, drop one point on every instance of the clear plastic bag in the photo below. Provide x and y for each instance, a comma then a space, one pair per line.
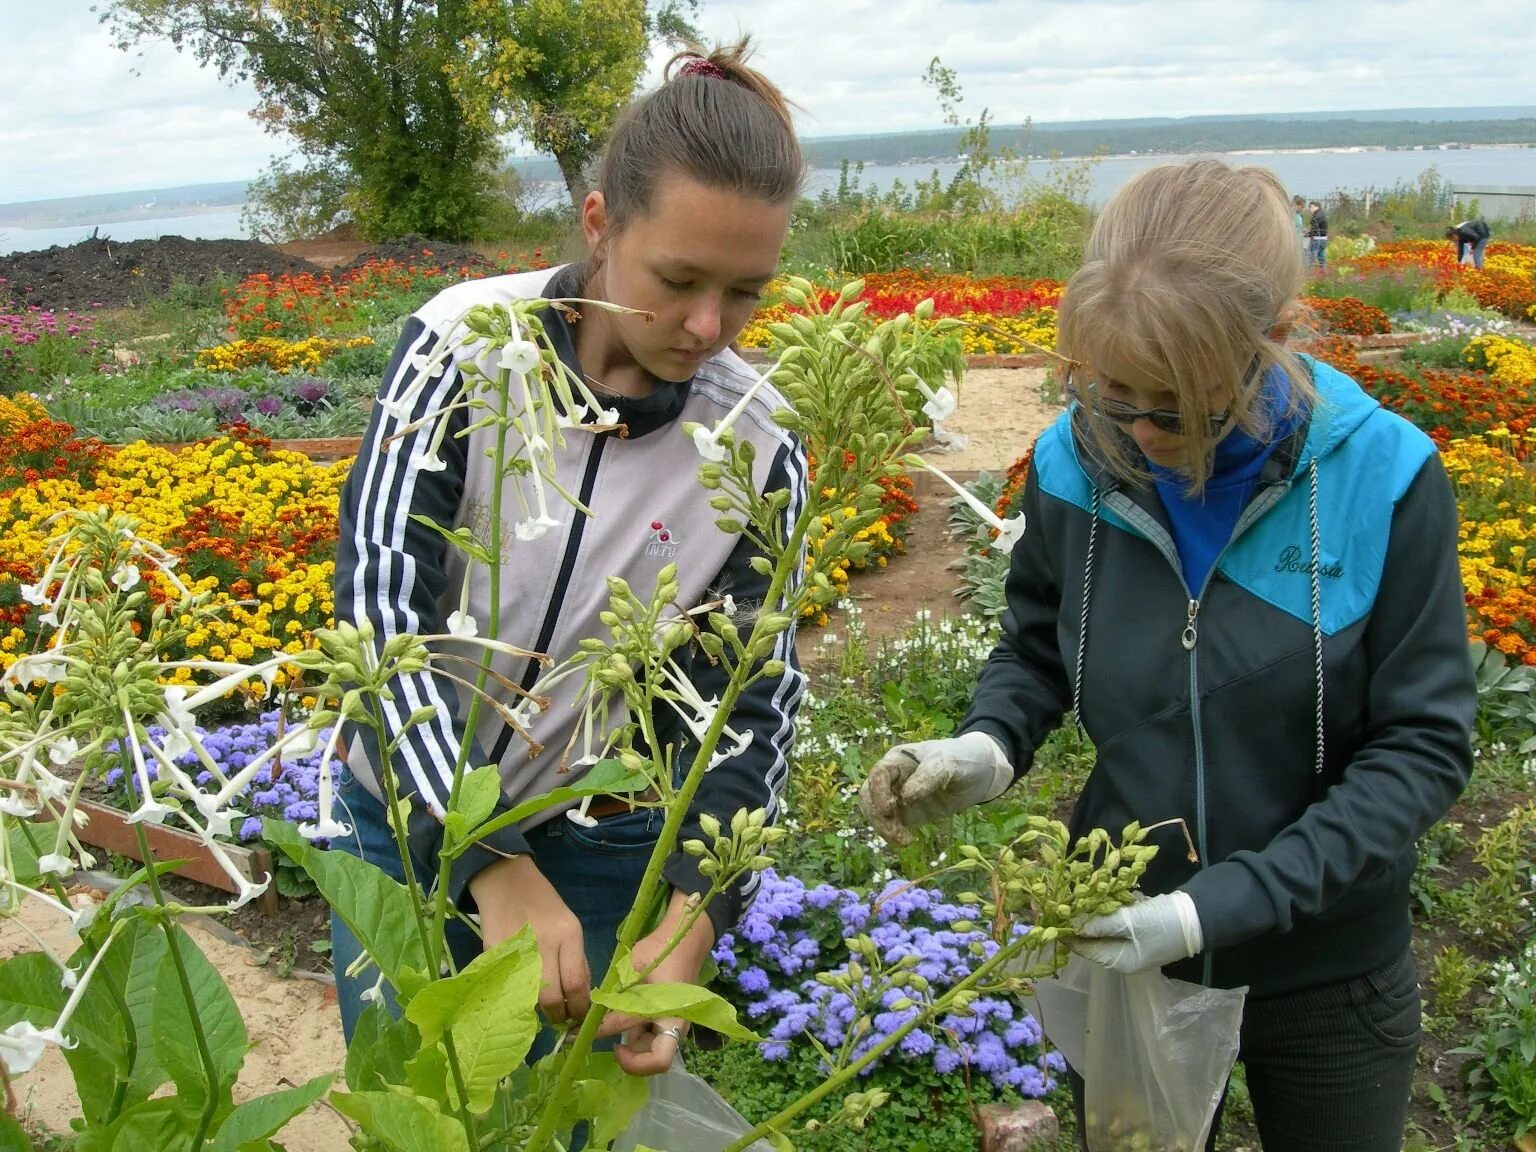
684, 1114
1154, 1053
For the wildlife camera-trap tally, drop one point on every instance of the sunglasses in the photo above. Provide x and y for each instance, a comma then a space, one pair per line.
1164, 419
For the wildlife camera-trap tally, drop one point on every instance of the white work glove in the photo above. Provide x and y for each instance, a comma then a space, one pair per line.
1143, 935
915, 784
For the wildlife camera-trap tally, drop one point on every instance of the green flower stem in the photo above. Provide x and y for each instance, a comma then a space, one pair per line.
423, 928
493, 630
838, 1079
677, 811
210, 1106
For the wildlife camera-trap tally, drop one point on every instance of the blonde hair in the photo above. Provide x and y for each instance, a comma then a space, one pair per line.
1191, 272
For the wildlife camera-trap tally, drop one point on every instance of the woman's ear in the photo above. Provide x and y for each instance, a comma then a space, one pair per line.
594, 220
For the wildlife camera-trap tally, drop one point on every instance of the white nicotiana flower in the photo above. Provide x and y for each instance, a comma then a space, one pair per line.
534, 527
520, 356
940, 405
126, 577
16, 804
34, 594
327, 827
44, 666
64, 750
578, 815
1009, 531
54, 864
708, 444
22, 1045
463, 625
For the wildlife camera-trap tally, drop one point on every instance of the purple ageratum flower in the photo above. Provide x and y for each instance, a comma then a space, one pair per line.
792, 929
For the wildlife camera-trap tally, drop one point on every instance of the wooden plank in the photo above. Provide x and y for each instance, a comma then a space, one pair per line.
109, 829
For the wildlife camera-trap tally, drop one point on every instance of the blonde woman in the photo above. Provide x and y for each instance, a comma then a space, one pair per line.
1239, 575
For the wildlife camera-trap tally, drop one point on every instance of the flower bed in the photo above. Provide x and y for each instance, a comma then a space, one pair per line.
1506, 283
256, 526
1003, 315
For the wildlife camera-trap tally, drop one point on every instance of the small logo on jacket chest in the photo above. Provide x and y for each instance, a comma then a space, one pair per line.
661, 542
1293, 559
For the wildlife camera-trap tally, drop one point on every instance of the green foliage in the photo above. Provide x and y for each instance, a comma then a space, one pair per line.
1452, 979
1503, 1075
1396, 290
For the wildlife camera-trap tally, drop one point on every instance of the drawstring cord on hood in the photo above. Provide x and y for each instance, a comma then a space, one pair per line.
1315, 570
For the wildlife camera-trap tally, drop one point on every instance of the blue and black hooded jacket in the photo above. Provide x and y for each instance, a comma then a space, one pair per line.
1307, 722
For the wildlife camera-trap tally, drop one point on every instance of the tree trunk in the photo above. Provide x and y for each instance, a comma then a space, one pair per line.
575, 173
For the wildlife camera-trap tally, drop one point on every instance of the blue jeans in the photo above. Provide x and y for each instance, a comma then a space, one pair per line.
596, 871
1318, 247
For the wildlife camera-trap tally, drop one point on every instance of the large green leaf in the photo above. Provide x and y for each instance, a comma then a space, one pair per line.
265, 1116
30, 990
478, 794
379, 1049
688, 1001
608, 1096
606, 777
164, 1124
175, 1038
402, 1123
376, 908
489, 1010
25, 839
117, 1010
12, 1137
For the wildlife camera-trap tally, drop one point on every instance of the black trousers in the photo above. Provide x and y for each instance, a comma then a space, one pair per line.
1329, 1069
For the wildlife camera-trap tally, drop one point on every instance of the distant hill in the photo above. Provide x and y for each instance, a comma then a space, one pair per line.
1389, 127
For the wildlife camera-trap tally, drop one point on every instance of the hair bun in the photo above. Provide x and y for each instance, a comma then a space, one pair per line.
700, 66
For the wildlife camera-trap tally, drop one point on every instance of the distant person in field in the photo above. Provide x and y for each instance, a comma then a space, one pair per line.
1471, 237
1317, 237
1299, 222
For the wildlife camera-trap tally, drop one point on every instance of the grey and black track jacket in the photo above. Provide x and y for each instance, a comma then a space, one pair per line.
648, 511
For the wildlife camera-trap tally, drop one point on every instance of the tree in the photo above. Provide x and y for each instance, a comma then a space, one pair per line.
563, 69
409, 98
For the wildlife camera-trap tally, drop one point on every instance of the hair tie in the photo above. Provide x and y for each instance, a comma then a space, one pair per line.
698, 66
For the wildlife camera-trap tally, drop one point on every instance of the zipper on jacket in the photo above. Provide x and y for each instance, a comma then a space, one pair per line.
1163, 542
562, 586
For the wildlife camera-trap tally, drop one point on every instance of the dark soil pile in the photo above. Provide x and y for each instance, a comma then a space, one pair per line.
418, 250
112, 275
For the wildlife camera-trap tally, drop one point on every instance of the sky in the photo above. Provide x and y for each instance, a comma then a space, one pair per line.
79, 116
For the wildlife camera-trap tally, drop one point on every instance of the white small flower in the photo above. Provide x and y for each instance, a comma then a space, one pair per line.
325, 830
1010, 533
520, 356
151, 811
941, 406
729, 607
463, 625
428, 366
708, 447
22, 1045
607, 416
34, 594
42, 666
534, 527
579, 815
374, 995
64, 750
54, 864
16, 804
125, 577
248, 891
433, 463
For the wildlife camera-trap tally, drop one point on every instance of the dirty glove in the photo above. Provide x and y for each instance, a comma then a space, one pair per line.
915, 784
1143, 935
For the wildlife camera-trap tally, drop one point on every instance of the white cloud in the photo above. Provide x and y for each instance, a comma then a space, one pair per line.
74, 118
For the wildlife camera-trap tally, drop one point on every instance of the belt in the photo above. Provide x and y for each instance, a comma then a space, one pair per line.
602, 807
